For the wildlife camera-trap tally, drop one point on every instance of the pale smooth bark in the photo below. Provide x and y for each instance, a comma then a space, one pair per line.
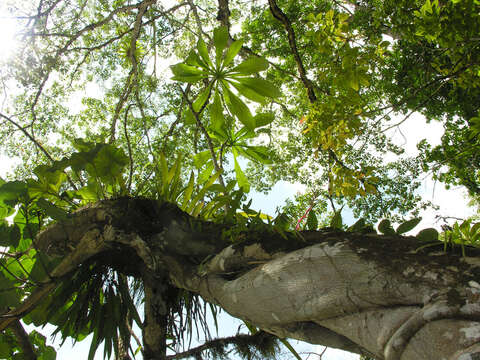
364, 293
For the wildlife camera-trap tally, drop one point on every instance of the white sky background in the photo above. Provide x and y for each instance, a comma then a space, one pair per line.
452, 202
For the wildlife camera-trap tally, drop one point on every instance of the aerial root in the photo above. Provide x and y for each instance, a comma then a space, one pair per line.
399, 340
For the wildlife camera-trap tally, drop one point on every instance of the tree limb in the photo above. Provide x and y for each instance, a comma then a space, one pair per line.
280, 16
28, 351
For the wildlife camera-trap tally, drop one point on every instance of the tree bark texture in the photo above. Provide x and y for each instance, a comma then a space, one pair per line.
365, 293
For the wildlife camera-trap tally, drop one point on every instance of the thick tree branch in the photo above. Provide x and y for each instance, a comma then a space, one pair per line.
331, 288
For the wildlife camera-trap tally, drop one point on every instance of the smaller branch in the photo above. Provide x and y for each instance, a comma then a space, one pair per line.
127, 90
177, 120
133, 75
130, 174
197, 19
130, 330
280, 16
37, 144
415, 109
28, 351
28, 305
30, 137
205, 133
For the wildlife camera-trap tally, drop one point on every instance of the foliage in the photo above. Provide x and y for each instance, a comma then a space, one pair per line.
250, 102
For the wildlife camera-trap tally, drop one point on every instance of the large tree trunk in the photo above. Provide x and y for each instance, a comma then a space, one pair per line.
364, 293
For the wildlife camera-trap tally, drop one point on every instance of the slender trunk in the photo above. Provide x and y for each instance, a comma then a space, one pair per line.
156, 318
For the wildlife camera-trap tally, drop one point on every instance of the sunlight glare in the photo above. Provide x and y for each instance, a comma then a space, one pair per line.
7, 34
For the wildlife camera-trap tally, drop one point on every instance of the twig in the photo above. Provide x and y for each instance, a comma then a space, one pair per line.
196, 114
129, 182
30, 137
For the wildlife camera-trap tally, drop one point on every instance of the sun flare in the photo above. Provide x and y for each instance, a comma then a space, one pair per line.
8, 29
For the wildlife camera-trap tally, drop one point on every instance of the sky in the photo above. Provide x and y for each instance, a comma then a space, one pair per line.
451, 202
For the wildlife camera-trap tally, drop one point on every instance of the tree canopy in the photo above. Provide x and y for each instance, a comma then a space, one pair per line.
140, 128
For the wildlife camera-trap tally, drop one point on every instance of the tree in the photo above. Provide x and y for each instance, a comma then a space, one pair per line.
137, 192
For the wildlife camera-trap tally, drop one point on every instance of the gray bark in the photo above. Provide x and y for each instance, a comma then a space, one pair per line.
363, 293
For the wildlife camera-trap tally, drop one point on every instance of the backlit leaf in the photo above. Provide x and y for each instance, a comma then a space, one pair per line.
239, 109
185, 73
241, 178
220, 40
385, 227
232, 52
429, 234
312, 222
408, 225
261, 86
252, 65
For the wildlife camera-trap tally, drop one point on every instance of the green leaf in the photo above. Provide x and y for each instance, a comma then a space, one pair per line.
312, 222
408, 225
241, 178
94, 345
8, 295
196, 203
194, 60
201, 158
220, 40
188, 191
6, 211
263, 119
88, 193
205, 173
282, 221
9, 235
43, 264
337, 221
252, 65
189, 118
261, 86
358, 226
385, 227
217, 118
239, 109
429, 234
465, 228
110, 162
50, 180
353, 81
48, 353
11, 192
174, 179
248, 92
127, 299
255, 153
163, 169
475, 229
6, 349
243, 134
52, 210
232, 52
83, 146
185, 73
203, 51
202, 98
